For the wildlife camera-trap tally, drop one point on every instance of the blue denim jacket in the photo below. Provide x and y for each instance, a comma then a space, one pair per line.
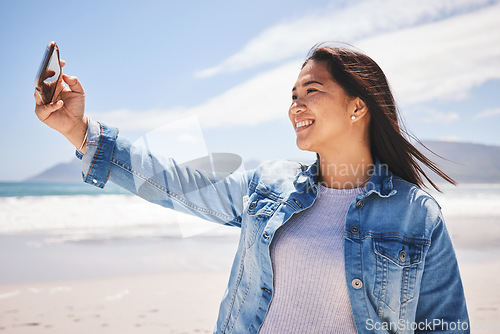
401, 270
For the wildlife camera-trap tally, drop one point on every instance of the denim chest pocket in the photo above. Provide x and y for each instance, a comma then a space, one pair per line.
397, 263
259, 210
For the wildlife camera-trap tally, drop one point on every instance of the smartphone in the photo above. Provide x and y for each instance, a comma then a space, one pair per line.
47, 81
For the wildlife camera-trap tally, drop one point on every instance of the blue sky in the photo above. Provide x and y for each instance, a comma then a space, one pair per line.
215, 76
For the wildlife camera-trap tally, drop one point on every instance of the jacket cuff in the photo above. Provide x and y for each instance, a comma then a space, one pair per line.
96, 161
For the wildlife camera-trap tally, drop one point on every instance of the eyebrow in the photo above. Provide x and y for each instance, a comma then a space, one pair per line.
308, 83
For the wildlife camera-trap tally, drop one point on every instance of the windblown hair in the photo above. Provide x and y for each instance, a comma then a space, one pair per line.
361, 77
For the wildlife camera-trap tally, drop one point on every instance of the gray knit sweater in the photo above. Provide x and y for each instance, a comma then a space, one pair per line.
307, 253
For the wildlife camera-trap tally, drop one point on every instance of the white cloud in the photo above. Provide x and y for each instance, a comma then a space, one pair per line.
263, 98
489, 113
291, 39
439, 60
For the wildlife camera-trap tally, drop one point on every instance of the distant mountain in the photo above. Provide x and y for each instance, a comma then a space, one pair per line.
466, 163
69, 172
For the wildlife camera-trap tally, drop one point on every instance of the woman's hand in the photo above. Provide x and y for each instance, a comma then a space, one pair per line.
66, 115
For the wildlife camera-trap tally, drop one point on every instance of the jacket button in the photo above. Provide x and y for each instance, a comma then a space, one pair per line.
359, 204
266, 236
402, 255
252, 205
354, 229
357, 284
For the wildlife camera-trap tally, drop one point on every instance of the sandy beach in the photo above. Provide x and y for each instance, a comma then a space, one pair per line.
164, 285
52, 283
477, 244
165, 303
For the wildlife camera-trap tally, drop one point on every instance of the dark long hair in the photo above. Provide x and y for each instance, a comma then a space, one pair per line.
361, 77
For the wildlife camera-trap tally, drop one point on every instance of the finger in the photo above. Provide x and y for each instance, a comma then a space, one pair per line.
48, 74
44, 111
62, 62
73, 83
64, 87
59, 89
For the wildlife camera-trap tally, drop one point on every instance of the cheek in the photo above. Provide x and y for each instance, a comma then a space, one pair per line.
314, 101
322, 104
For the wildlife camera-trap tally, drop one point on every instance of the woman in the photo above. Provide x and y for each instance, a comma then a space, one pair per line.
347, 244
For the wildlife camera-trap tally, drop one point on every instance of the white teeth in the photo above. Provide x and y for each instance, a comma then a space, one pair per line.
304, 123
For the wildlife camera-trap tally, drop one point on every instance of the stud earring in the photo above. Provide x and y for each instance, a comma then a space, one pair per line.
353, 117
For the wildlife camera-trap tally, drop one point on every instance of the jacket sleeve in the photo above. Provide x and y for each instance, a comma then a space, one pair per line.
213, 196
441, 306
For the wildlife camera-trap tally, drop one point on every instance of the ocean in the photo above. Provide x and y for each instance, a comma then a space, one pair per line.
21, 189
80, 212
53, 232
58, 232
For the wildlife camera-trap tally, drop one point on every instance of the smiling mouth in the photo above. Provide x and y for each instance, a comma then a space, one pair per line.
303, 125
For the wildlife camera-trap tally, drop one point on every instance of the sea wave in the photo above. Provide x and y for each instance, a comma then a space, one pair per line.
85, 217
469, 200
117, 216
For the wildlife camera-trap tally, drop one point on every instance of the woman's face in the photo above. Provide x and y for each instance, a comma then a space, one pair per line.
321, 111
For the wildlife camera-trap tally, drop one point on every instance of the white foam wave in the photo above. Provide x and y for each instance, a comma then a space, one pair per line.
469, 200
76, 218
103, 217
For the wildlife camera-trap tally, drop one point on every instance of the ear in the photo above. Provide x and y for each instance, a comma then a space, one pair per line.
358, 108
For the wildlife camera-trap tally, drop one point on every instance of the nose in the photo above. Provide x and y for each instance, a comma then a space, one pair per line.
297, 106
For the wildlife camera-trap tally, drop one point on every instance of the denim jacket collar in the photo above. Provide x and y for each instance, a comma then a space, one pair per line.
379, 183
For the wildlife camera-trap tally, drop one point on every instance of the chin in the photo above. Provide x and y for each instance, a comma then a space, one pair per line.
304, 147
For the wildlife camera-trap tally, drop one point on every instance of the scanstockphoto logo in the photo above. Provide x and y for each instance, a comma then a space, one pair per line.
173, 168
427, 325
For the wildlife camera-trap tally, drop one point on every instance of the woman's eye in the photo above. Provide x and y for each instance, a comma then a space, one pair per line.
310, 90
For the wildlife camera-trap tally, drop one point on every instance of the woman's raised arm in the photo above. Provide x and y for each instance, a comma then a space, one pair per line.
218, 197
133, 167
